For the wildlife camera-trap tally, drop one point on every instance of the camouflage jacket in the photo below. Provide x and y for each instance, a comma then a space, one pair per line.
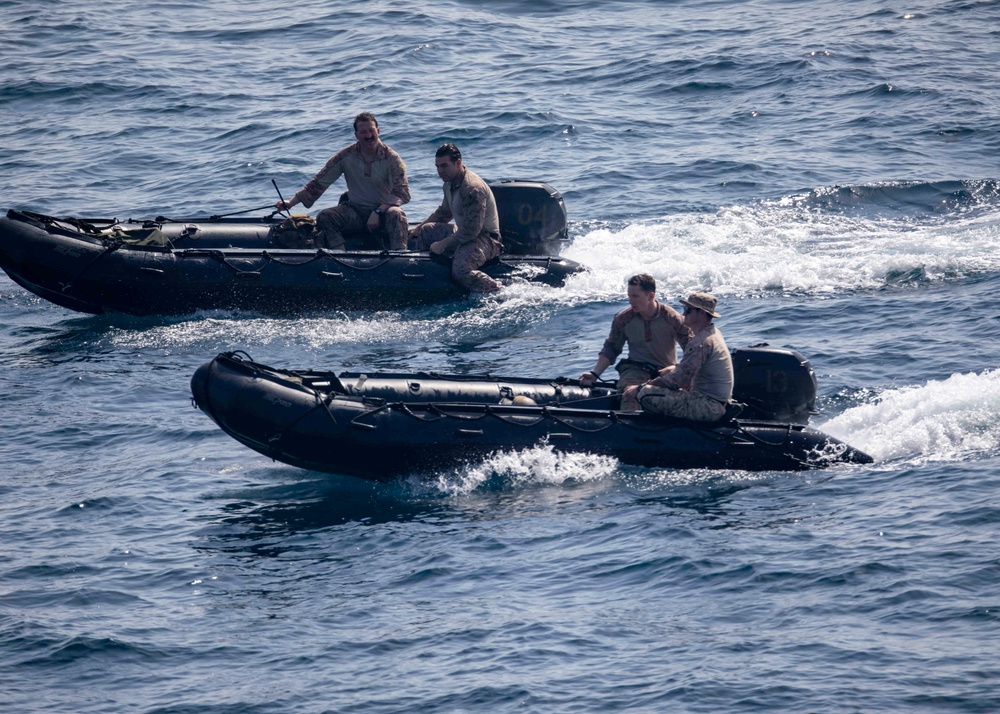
706, 367
470, 202
383, 180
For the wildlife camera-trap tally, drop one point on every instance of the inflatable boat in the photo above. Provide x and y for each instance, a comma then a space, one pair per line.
267, 265
382, 425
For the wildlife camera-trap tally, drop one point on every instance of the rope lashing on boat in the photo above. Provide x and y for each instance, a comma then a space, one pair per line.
111, 245
327, 400
410, 413
220, 256
312, 258
569, 425
327, 254
437, 409
488, 410
84, 226
50, 222
277, 436
776, 445
324, 253
268, 258
356, 421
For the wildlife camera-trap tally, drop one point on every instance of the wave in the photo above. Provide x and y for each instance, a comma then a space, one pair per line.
542, 465
901, 197
952, 419
824, 242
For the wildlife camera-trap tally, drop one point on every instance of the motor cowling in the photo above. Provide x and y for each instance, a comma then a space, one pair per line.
775, 384
532, 217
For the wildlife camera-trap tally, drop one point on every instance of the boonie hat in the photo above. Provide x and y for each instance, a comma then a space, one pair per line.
702, 301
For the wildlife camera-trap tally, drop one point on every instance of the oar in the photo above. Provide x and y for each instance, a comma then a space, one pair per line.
236, 213
280, 196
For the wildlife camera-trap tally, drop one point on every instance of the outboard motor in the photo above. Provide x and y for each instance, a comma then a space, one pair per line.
775, 384
532, 217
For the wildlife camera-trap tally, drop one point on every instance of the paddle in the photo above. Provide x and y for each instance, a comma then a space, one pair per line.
237, 213
287, 211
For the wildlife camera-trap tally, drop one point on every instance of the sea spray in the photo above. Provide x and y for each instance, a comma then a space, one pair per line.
946, 420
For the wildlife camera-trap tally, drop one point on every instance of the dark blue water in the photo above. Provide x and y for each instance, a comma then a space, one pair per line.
829, 170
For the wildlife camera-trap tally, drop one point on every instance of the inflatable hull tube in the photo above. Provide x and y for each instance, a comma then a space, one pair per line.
178, 266
315, 421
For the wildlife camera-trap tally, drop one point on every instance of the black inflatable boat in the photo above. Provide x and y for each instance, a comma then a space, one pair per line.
377, 426
169, 266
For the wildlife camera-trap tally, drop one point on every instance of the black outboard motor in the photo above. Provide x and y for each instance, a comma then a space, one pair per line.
532, 217
775, 384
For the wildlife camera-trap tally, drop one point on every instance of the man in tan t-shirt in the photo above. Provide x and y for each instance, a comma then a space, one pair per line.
652, 331
376, 188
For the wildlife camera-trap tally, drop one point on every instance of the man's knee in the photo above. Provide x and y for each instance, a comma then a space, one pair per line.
629, 375
331, 223
432, 233
333, 215
396, 228
658, 400
681, 404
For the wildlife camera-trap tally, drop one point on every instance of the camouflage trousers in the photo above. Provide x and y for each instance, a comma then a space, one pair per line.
632, 374
680, 403
332, 223
467, 257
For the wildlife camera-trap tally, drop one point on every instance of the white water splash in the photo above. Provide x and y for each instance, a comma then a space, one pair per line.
750, 250
776, 248
541, 465
945, 420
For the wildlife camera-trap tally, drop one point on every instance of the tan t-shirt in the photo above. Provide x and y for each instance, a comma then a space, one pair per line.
652, 341
706, 368
369, 183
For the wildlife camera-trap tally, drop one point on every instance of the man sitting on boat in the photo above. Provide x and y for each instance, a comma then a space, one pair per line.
474, 238
376, 188
701, 385
651, 329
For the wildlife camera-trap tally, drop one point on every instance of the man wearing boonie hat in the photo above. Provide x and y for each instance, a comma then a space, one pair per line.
700, 386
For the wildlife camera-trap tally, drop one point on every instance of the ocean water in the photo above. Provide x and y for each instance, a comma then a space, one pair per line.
829, 170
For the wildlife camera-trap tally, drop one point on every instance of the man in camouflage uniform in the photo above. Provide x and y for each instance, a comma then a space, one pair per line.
701, 385
474, 238
652, 331
376, 188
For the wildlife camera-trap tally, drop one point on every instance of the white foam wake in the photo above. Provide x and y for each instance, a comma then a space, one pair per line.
749, 250
541, 465
946, 420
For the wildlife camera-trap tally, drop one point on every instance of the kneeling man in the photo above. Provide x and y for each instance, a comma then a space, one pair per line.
700, 386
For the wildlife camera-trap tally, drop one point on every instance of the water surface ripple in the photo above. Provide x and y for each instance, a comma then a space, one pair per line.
828, 170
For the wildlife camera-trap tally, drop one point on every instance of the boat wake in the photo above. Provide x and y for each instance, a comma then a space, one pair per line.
786, 246
949, 420
540, 466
